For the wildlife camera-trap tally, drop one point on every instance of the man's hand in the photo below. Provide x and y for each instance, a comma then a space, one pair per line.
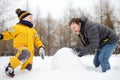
42, 52
77, 52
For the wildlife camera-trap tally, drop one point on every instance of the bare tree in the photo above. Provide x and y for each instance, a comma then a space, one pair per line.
40, 27
109, 15
6, 7
104, 13
50, 24
3, 5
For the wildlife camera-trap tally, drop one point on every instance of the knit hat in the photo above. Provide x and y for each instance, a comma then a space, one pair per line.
22, 14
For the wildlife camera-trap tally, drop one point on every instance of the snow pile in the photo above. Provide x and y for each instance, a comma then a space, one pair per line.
64, 65
65, 58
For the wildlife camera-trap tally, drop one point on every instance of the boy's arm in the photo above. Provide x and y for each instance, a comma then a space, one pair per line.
39, 45
10, 34
38, 42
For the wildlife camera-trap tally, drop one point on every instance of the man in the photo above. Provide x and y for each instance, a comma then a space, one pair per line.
94, 36
24, 37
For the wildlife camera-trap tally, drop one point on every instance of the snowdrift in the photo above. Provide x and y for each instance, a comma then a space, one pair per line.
64, 65
65, 58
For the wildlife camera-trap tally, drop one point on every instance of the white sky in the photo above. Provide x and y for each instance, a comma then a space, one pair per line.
56, 7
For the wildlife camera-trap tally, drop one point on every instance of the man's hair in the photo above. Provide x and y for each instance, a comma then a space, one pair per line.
74, 20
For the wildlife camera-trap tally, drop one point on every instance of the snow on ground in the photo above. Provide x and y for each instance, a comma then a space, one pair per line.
64, 65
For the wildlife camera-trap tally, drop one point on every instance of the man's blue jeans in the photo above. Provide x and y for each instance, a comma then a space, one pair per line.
102, 56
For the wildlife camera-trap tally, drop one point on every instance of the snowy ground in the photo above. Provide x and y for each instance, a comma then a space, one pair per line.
64, 65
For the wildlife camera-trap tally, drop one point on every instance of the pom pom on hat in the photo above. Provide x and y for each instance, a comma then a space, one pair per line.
22, 14
18, 10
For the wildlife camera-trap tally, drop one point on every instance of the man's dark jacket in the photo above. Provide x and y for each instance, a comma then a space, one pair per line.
95, 35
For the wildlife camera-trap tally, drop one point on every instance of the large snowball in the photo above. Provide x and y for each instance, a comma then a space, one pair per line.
65, 58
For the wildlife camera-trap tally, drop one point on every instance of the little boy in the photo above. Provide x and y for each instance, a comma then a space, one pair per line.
24, 37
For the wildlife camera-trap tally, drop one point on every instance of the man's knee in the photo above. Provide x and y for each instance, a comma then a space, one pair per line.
25, 54
103, 59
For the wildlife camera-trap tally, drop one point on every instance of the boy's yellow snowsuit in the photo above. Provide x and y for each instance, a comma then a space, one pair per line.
23, 38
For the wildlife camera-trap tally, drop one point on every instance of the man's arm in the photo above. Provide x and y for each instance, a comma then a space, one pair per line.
93, 37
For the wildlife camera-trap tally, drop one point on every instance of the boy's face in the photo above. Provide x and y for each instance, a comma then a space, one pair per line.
75, 28
29, 18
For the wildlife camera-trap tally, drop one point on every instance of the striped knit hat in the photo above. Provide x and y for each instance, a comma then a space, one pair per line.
22, 14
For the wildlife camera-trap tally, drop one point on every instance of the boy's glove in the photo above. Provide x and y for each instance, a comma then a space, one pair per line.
42, 52
1, 36
77, 52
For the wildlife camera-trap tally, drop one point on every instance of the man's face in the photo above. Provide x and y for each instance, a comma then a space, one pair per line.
75, 28
29, 18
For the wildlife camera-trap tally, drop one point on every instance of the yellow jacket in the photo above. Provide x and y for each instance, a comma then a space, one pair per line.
23, 36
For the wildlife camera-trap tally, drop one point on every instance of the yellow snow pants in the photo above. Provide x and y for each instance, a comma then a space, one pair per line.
15, 61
